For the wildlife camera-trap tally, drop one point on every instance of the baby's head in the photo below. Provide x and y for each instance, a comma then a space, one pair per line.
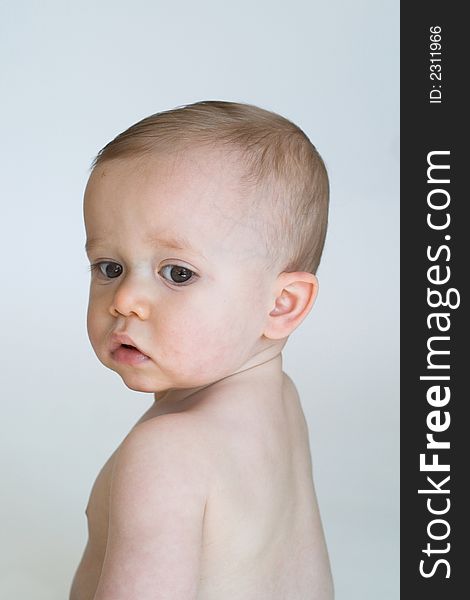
206, 226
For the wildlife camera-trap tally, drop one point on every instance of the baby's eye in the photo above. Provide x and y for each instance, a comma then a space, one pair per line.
111, 270
177, 273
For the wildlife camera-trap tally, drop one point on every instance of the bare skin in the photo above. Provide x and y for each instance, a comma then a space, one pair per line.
262, 536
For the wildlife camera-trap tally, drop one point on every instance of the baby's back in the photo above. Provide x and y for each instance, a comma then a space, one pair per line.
262, 535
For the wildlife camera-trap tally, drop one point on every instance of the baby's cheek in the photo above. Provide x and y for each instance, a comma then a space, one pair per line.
200, 346
216, 345
93, 325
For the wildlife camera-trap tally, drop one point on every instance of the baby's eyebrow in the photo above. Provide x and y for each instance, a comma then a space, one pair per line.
173, 243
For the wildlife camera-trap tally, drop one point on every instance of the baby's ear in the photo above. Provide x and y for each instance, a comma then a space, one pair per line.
295, 294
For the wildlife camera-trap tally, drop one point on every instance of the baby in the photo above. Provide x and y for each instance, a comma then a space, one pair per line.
205, 225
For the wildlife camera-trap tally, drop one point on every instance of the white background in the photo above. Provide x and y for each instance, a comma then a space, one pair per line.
74, 75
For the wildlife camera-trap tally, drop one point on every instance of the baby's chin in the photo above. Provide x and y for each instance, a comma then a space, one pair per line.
141, 384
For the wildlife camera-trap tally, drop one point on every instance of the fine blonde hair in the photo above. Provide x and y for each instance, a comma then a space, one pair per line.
280, 161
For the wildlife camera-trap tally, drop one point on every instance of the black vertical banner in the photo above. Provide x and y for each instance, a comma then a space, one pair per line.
435, 267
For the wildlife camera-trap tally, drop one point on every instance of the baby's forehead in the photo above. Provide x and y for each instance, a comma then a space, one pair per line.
199, 168
201, 189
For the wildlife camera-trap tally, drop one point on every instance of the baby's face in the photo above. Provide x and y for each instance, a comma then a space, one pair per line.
197, 311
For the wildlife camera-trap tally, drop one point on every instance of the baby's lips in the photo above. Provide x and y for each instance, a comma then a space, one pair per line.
119, 338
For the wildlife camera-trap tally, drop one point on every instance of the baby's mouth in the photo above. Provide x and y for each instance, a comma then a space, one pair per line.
123, 344
134, 348
130, 355
131, 348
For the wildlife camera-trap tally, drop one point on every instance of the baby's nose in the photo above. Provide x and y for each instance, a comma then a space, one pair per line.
133, 295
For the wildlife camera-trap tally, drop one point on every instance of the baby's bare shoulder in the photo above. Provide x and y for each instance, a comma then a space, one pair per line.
236, 421
172, 440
